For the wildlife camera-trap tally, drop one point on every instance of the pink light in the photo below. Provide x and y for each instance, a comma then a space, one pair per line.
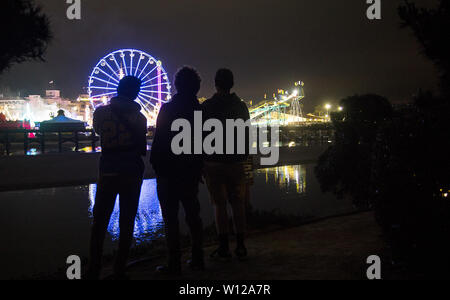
159, 84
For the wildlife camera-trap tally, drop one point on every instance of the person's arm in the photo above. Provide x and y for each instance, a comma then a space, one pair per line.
248, 132
246, 113
96, 122
158, 139
143, 136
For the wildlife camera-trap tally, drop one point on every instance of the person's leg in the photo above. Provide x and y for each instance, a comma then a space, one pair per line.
103, 207
129, 192
238, 204
219, 198
192, 211
169, 203
217, 191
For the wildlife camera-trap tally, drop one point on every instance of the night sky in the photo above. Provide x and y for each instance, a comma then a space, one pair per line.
269, 44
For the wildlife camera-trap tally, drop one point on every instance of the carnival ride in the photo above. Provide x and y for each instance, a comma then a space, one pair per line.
285, 108
105, 77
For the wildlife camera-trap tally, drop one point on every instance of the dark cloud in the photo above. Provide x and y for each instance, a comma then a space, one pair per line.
328, 44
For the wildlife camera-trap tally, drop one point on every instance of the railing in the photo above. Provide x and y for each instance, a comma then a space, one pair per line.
295, 135
30, 137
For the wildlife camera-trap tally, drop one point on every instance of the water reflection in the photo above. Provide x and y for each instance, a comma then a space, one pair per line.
149, 219
287, 177
45, 226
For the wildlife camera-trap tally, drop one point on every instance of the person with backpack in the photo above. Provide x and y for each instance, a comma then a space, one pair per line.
122, 129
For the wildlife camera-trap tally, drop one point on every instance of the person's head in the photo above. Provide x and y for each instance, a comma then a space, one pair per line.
187, 81
129, 87
224, 80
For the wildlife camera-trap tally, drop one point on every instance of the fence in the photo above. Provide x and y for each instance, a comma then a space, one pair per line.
29, 137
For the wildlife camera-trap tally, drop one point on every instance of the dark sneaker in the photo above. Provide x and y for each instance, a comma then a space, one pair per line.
221, 254
241, 253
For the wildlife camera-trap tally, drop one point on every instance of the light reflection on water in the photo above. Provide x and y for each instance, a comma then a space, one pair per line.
286, 177
42, 227
149, 219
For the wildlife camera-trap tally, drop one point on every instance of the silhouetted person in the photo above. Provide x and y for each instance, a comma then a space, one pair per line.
178, 176
122, 129
226, 173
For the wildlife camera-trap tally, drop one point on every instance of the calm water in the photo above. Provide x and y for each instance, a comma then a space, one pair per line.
41, 228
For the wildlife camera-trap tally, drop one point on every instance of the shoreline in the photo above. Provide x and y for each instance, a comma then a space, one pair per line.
71, 168
350, 239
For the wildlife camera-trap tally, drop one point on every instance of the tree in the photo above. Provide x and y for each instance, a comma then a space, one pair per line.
25, 32
344, 168
431, 27
397, 162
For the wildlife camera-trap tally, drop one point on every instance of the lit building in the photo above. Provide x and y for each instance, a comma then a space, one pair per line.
36, 108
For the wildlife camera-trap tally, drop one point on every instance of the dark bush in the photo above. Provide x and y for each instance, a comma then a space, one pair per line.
345, 167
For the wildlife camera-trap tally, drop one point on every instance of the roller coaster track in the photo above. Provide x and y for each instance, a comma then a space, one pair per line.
268, 106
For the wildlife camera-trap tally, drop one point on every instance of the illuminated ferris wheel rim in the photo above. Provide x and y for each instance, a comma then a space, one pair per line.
105, 77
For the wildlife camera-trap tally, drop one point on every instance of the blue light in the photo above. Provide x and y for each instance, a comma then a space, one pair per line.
105, 77
149, 218
152, 70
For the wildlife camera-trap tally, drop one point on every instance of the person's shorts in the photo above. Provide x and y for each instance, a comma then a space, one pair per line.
226, 182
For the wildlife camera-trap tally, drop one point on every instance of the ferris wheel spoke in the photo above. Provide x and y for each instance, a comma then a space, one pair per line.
108, 75
146, 101
112, 70
138, 64
143, 69
124, 63
154, 98
144, 107
159, 75
117, 64
153, 85
102, 80
153, 91
142, 79
102, 88
131, 62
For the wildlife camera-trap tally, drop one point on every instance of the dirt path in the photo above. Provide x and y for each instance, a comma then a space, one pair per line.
335, 248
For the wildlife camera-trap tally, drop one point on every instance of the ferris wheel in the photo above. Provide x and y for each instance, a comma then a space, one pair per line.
105, 77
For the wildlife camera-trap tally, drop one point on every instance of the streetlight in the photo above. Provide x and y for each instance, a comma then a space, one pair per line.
340, 108
327, 107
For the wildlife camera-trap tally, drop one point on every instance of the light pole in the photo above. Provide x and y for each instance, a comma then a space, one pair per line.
327, 107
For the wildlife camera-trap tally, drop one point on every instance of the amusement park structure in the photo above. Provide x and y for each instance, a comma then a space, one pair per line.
284, 109
105, 77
